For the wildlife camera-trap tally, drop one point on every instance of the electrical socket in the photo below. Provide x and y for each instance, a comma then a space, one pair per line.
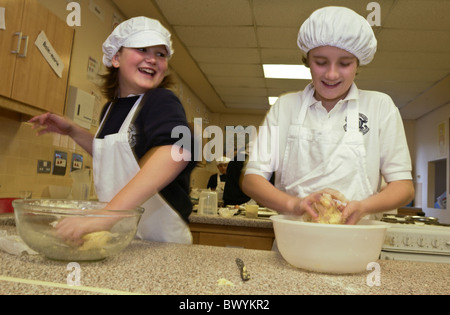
44, 167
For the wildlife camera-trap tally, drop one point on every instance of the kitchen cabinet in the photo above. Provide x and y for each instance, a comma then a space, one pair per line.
26, 77
232, 236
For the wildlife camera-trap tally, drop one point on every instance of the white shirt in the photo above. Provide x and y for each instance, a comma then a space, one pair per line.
387, 151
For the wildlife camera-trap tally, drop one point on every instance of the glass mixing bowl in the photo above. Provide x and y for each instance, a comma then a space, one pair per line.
36, 221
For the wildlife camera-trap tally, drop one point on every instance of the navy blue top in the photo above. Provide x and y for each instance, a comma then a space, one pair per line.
160, 112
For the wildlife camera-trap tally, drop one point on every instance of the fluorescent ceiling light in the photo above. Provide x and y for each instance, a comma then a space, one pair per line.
287, 72
272, 100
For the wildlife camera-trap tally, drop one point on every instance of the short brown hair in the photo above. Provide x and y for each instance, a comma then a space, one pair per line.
110, 87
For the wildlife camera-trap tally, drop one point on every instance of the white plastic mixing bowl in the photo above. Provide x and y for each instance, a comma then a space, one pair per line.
329, 248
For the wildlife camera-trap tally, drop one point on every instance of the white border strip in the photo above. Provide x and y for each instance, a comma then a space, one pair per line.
65, 286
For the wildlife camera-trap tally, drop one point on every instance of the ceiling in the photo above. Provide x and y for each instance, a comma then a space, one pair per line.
220, 46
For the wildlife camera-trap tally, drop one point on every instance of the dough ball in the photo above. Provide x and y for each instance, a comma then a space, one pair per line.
328, 210
96, 240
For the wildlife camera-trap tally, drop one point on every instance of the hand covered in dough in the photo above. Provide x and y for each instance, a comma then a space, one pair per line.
328, 205
353, 212
73, 229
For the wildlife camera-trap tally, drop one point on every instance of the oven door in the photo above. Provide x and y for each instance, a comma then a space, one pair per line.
410, 256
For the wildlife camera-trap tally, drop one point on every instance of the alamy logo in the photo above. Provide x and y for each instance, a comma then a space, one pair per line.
262, 143
74, 17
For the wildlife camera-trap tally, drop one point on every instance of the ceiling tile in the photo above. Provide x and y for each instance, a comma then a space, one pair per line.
246, 99
414, 40
206, 12
217, 36
282, 13
410, 60
389, 87
287, 84
249, 106
419, 15
293, 13
238, 82
397, 75
226, 55
238, 91
232, 70
281, 56
277, 37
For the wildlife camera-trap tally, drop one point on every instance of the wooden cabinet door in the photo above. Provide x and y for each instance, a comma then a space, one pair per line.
9, 42
35, 82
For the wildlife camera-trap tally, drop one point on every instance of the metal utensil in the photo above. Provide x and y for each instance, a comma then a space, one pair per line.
245, 275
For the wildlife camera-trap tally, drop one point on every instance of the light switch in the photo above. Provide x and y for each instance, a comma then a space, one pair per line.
60, 163
77, 162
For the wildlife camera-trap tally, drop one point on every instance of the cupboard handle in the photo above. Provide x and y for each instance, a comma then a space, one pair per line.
25, 50
19, 41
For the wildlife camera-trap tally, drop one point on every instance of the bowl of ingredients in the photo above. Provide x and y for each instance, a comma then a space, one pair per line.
112, 230
328, 248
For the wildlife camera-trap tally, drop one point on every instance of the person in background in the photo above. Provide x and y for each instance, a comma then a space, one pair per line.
333, 135
132, 150
217, 181
233, 194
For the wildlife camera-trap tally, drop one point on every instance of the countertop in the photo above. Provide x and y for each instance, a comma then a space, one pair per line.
237, 220
171, 269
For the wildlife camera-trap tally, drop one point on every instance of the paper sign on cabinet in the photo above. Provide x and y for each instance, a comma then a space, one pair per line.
49, 53
2, 19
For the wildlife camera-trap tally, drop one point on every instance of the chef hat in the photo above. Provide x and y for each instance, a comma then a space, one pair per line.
223, 160
137, 32
339, 27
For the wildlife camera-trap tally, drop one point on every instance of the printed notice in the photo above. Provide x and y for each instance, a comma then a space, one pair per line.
2, 19
49, 53
96, 10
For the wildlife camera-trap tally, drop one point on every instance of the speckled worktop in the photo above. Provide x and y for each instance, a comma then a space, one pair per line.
156, 268
237, 220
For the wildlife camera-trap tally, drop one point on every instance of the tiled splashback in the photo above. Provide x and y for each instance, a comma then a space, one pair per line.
20, 150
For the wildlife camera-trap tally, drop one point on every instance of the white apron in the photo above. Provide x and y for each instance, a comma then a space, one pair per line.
220, 184
220, 188
315, 159
114, 166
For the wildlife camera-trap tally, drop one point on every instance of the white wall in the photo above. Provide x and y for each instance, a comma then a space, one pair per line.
427, 149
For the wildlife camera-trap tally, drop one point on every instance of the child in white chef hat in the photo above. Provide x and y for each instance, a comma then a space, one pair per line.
132, 150
333, 135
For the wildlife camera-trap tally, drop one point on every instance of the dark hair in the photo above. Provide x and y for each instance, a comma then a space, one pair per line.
110, 83
110, 87
305, 60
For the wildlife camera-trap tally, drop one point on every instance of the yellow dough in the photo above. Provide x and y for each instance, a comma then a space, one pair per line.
224, 282
327, 209
95, 240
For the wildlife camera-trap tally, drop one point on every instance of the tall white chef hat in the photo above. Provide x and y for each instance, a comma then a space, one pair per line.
136, 32
339, 27
222, 160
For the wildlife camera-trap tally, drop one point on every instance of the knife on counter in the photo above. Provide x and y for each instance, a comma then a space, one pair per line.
245, 275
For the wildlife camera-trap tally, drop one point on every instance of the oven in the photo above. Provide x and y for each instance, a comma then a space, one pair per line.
416, 238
